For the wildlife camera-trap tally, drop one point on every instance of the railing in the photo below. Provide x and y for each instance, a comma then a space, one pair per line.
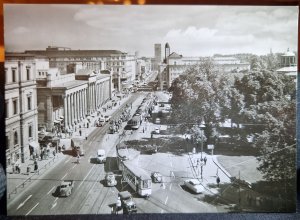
37, 172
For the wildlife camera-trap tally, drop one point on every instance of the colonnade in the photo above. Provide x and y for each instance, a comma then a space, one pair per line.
81, 103
75, 107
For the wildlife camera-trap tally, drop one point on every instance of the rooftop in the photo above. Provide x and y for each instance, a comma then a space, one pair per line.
75, 53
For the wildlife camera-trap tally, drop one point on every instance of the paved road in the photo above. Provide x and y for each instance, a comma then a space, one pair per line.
89, 193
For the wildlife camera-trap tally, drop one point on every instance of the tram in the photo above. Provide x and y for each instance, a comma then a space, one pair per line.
137, 178
135, 122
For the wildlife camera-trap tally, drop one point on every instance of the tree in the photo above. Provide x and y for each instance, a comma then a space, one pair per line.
264, 99
201, 94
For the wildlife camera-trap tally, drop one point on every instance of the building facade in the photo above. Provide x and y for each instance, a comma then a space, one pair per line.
21, 119
68, 99
157, 56
121, 65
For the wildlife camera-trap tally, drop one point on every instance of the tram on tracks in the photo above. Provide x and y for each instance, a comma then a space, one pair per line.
137, 178
135, 122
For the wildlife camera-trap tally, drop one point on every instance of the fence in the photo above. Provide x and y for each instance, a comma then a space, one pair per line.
28, 180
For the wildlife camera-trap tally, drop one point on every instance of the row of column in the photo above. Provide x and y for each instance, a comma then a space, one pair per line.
84, 102
75, 107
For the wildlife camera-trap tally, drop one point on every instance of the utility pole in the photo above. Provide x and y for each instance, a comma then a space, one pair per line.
239, 190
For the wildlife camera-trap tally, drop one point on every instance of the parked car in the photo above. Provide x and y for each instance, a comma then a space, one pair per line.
110, 179
194, 185
157, 120
156, 131
101, 157
127, 202
156, 177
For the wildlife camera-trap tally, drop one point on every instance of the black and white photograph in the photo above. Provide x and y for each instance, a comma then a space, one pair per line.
127, 109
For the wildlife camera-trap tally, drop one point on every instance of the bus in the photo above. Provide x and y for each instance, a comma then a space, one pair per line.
137, 178
135, 122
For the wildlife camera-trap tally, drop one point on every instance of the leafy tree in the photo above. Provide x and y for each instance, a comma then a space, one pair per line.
201, 95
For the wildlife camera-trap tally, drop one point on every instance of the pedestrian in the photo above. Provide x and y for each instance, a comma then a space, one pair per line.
36, 167
218, 180
205, 159
118, 205
53, 153
78, 159
42, 155
80, 132
143, 130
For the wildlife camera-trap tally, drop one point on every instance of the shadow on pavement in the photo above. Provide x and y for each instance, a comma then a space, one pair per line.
111, 165
69, 152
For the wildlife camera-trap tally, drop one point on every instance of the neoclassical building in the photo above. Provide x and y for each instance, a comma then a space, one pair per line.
121, 65
21, 118
68, 99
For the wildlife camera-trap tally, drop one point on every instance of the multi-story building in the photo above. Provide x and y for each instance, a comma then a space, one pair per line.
21, 118
157, 56
120, 64
177, 64
67, 99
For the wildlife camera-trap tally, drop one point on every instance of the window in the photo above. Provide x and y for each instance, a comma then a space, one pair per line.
7, 142
29, 130
15, 106
16, 141
29, 102
6, 109
6, 78
14, 79
28, 73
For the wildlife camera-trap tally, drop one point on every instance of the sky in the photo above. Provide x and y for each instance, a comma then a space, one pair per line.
189, 30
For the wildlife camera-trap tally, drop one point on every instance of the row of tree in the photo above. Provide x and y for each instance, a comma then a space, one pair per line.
260, 103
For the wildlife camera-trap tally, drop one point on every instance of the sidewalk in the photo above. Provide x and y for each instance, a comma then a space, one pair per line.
17, 181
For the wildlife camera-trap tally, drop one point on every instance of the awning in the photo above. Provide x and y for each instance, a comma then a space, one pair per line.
34, 145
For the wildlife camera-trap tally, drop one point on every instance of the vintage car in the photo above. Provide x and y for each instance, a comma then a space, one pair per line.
194, 185
110, 179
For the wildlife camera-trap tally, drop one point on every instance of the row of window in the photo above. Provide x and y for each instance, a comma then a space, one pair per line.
14, 77
16, 137
15, 109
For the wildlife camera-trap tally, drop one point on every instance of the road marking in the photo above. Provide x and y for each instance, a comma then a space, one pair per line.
86, 175
24, 202
32, 209
64, 176
50, 190
74, 166
54, 203
170, 186
67, 160
166, 200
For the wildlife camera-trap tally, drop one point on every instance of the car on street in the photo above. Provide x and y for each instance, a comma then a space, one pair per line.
156, 177
127, 202
156, 130
194, 185
66, 188
107, 118
110, 179
101, 158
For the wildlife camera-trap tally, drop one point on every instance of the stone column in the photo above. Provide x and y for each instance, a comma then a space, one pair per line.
65, 110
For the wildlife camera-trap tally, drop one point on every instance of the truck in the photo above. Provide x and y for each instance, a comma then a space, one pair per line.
127, 202
66, 188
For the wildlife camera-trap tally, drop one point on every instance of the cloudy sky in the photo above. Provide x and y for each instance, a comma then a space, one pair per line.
189, 30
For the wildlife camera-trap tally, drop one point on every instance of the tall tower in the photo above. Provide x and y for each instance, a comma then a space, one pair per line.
167, 51
157, 53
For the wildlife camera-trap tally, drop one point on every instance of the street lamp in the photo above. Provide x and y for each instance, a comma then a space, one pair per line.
201, 129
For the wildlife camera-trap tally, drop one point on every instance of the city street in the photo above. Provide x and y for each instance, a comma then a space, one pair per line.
90, 196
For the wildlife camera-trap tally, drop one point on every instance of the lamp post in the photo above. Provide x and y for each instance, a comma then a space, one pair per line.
201, 126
